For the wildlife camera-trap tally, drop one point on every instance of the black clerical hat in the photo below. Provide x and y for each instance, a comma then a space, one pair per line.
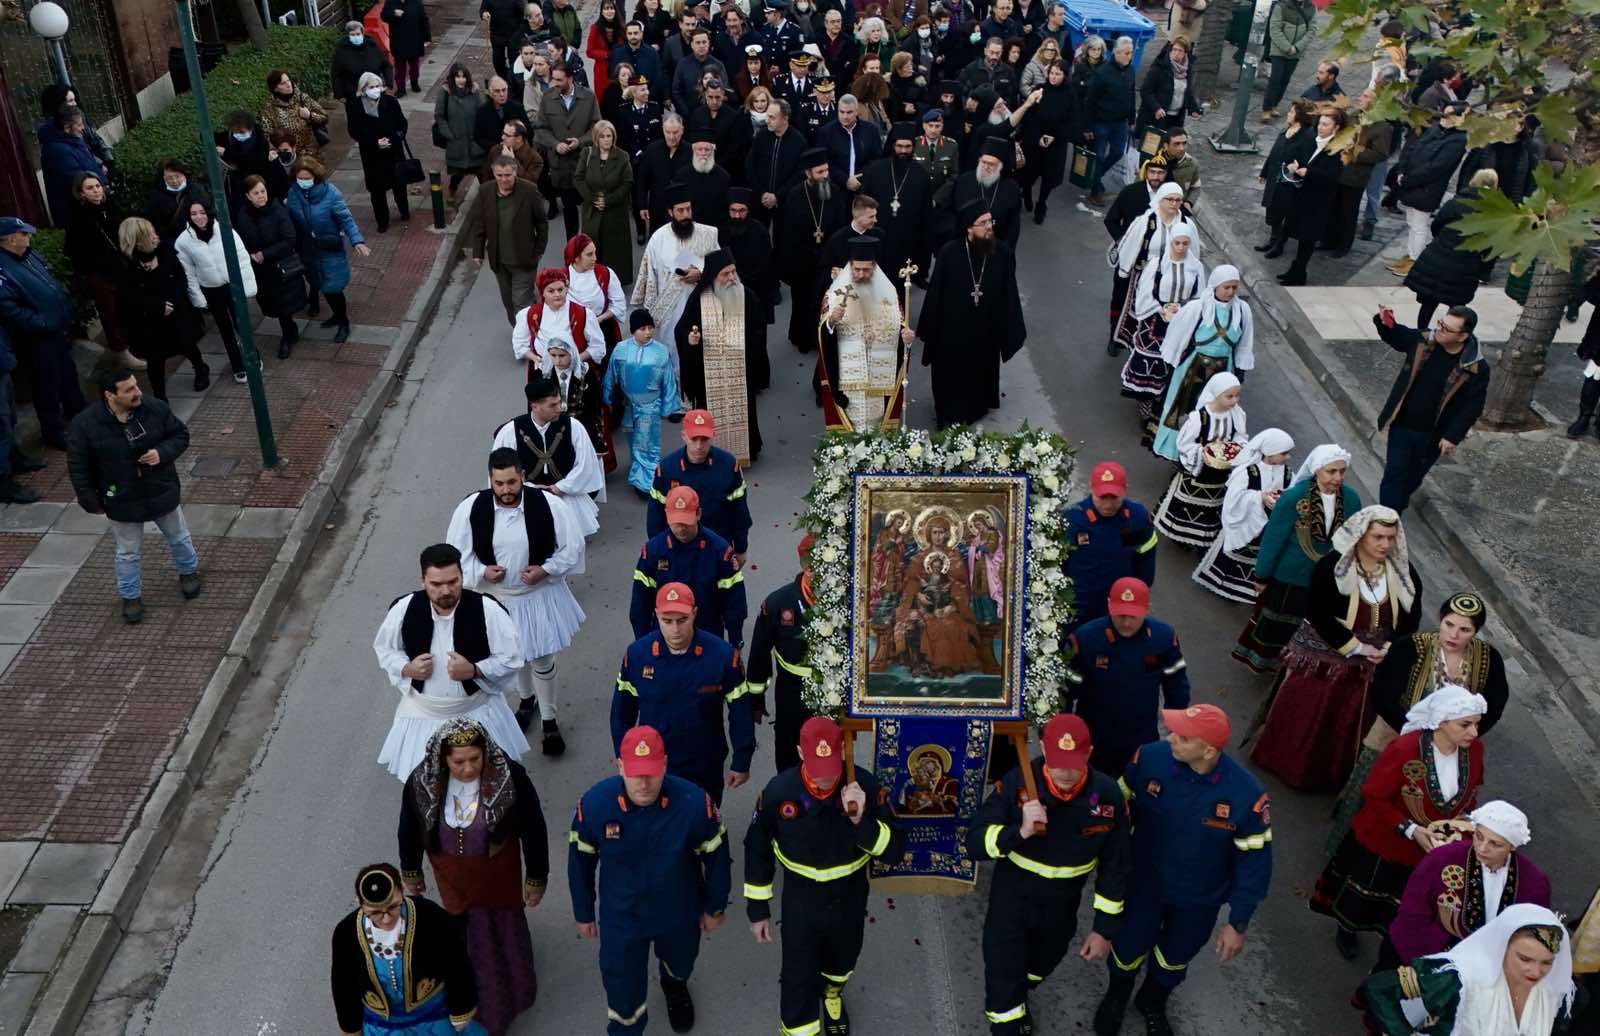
718, 261
675, 194
741, 196
813, 157
864, 249
995, 147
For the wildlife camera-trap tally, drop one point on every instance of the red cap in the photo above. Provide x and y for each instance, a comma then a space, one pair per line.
643, 753
675, 597
698, 423
1206, 722
682, 503
805, 545
1130, 597
1108, 479
1066, 742
821, 747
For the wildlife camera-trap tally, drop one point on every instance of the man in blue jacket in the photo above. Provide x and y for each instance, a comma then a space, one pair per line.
713, 474
653, 848
1112, 537
851, 143
36, 311
643, 57
12, 459
687, 552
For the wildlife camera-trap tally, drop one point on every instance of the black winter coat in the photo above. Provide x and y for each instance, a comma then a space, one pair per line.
1110, 97
377, 163
1426, 165
1514, 162
244, 159
1316, 193
102, 460
92, 239
142, 302
349, 62
409, 27
270, 230
908, 98
1444, 273
1277, 197
1157, 93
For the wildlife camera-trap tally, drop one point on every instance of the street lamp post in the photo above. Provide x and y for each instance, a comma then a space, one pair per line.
49, 21
241, 312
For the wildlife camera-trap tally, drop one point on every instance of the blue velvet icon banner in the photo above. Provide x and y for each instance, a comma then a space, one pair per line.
934, 772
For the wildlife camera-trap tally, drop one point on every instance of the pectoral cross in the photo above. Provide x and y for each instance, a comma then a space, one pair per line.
977, 293
894, 206
817, 237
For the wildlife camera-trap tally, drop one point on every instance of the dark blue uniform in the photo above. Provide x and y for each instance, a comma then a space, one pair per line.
1103, 551
782, 40
1117, 684
779, 637
683, 696
1200, 840
720, 485
664, 866
705, 566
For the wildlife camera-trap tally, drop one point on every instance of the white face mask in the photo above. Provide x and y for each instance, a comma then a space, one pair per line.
306, 183
374, 92
924, 32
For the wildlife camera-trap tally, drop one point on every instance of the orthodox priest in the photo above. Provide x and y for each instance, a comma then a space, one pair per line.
988, 185
971, 319
722, 338
751, 244
673, 263
905, 202
813, 209
863, 337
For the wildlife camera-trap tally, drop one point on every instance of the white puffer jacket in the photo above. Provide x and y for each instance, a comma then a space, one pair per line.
205, 265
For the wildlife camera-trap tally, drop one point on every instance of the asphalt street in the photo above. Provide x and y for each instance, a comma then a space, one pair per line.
233, 936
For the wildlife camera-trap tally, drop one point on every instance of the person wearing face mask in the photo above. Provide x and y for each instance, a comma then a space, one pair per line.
158, 319
167, 206
288, 108
923, 48
280, 156
354, 57
200, 251
245, 152
325, 224
269, 233
378, 127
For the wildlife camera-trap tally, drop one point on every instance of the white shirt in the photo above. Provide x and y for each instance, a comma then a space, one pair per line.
1494, 886
584, 288
1449, 769
460, 803
1374, 594
504, 658
511, 546
555, 325
585, 477
1327, 512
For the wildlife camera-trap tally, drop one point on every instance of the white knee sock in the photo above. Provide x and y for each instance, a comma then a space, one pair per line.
543, 671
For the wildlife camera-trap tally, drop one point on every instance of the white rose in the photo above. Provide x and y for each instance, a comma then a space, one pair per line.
914, 451
1048, 628
1051, 483
1044, 446
969, 453
837, 451
1051, 554
1004, 460
833, 699
830, 555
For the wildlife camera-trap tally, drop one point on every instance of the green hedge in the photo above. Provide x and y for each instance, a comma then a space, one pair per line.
238, 82
51, 244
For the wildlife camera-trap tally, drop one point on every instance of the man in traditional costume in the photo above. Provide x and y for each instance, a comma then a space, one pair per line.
555, 456
519, 543
971, 320
673, 263
451, 653
812, 210
716, 478
864, 338
905, 196
720, 335
555, 318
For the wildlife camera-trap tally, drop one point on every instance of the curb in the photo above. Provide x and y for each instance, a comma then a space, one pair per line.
67, 991
1567, 673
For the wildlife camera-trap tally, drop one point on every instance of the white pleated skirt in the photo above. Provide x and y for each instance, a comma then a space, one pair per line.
407, 742
547, 618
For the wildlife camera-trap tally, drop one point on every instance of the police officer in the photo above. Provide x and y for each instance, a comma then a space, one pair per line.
779, 637
689, 553
1203, 836
713, 474
782, 38
817, 110
1033, 903
1123, 667
677, 678
665, 879
803, 820
1112, 537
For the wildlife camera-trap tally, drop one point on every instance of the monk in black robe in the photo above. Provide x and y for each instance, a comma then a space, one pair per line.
751, 244
989, 186
971, 320
812, 210
904, 190
704, 351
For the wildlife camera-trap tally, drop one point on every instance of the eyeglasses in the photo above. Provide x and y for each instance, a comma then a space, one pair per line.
1439, 327
393, 910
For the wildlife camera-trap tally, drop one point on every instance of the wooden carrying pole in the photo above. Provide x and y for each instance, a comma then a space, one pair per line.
849, 728
1017, 730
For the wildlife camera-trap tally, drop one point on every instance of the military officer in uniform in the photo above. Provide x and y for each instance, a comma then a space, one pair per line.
678, 679
824, 836
1123, 667
661, 851
1111, 536
779, 637
781, 37
794, 87
713, 474
817, 110
1039, 879
1203, 836
687, 552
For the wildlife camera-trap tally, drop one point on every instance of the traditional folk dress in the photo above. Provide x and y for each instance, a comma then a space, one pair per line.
1320, 707
1205, 338
552, 455
479, 835
862, 358
663, 292
1162, 288
1191, 511
642, 376
718, 374
579, 387
413, 980
1450, 895
1145, 241
1229, 566
573, 324
479, 628
599, 290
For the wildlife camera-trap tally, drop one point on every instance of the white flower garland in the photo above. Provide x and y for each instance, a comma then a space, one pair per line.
964, 450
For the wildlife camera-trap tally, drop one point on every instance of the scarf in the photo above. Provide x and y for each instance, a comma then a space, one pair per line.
430, 781
1478, 960
1397, 566
1447, 703
1321, 457
1322, 145
1141, 239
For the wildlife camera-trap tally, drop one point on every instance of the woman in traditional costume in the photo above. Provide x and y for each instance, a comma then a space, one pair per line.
1426, 779
1298, 533
1211, 437
1364, 595
399, 965
1512, 977
1162, 290
1255, 483
476, 815
1210, 334
1145, 241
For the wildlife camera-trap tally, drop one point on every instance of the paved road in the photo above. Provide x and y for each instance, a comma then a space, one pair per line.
233, 936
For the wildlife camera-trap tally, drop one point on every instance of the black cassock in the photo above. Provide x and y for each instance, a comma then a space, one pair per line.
1004, 200
691, 358
800, 254
904, 233
752, 254
964, 342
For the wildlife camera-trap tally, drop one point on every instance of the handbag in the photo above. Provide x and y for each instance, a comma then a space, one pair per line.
408, 170
291, 266
438, 138
1083, 167
320, 134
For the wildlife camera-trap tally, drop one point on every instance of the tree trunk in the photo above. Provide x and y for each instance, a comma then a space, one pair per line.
1207, 55
250, 14
1510, 405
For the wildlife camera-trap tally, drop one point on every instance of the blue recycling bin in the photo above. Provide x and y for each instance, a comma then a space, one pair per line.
1109, 19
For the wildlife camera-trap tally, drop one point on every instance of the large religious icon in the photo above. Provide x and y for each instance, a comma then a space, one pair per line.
938, 590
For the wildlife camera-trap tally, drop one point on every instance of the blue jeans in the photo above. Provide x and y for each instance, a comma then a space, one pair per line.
1375, 191
1409, 457
130, 541
1110, 141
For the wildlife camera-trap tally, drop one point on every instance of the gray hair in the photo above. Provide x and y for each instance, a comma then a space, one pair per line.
870, 23
368, 79
849, 99
503, 161
782, 105
353, 26
1124, 41
671, 117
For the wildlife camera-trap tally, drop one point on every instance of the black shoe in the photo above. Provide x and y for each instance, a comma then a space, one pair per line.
24, 462
1572, 310
416, 88
190, 585
399, 90
343, 333
1113, 347
1275, 250
835, 1019
526, 712
13, 492
1366, 231
553, 744
202, 378
1347, 942
316, 305
1588, 400
1291, 279
285, 347
550, 212
1027, 201
132, 610
1152, 1003
1108, 1016
383, 226
331, 322
1271, 243
1039, 212
680, 1006
1339, 253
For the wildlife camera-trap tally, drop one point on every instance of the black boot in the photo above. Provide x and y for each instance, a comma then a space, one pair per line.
553, 743
527, 711
14, 492
1347, 942
1275, 246
1152, 1003
1587, 401
680, 1006
1108, 1016
1039, 212
835, 1019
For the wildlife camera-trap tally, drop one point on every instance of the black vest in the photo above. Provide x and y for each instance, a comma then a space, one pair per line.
549, 458
536, 520
471, 633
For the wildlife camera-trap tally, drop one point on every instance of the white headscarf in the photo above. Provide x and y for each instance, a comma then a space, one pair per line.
1447, 703
1216, 385
1505, 820
1132, 240
1203, 311
1180, 280
1321, 457
1479, 960
1243, 516
1265, 443
1397, 566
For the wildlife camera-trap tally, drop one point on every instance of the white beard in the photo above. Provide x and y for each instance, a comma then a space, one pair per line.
986, 179
997, 117
729, 295
703, 166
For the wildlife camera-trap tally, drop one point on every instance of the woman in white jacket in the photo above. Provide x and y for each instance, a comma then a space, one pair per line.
205, 266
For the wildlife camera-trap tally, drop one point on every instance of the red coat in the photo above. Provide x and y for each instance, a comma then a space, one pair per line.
598, 48
1401, 788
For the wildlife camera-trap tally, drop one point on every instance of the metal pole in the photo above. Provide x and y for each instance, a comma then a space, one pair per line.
241, 311
1236, 139
59, 51
436, 191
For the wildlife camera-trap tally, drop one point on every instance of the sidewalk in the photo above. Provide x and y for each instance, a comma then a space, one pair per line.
110, 725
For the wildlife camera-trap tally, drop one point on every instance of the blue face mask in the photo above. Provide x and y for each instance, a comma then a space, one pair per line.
178, 188
306, 185
356, 40
242, 137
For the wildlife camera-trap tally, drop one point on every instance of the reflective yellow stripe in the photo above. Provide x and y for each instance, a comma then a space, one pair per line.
710, 844
1137, 961
728, 583
1175, 667
1253, 841
1149, 544
820, 873
1107, 906
630, 1019
838, 980
1073, 676
657, 495
1035, 978
1046, 871
1166, 964
757, 891
626, 687
883, 840
808, 1029
1001, 1017
1127, 792
802, 671
739, 690
991, 840
583, 847
736, 494
640, 577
